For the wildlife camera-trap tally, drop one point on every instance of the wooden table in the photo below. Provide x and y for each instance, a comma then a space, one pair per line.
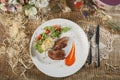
109, 69
104, 72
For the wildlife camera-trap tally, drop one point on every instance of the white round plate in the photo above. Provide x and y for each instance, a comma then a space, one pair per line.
57, 68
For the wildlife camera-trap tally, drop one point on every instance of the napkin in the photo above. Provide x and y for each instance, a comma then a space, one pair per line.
106, 41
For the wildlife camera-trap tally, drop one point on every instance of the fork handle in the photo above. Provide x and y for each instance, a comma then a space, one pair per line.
90, 55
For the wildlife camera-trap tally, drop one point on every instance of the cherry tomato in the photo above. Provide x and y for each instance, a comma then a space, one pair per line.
38, 37
57, 27
47, 31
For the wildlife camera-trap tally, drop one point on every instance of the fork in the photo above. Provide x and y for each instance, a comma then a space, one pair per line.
90, 35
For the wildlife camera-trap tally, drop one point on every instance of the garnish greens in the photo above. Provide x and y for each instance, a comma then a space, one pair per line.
45, 40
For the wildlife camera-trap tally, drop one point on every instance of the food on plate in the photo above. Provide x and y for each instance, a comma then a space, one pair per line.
47, 44
61, 43
38, 37
56, 54
55, 31
46, 40
70, 59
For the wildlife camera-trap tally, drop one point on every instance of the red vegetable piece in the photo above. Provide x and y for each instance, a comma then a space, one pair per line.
47, 31
57, 27
38, 37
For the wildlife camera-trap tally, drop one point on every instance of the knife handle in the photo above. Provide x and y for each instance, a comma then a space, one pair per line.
98, 58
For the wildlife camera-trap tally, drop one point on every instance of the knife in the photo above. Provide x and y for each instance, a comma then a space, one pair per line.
97, 42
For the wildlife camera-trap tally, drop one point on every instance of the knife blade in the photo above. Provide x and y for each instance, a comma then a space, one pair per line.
97, 42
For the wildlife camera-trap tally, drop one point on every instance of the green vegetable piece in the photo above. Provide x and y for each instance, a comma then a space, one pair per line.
55, 34
51, 28
44, 36
47, 27
58, 33
65, 29
39, 48
34, 45
40, 42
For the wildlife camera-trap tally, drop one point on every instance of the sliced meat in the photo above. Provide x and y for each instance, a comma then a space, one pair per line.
56, 54
61, 43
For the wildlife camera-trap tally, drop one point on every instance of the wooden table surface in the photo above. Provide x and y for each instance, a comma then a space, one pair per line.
104, 72
109, 69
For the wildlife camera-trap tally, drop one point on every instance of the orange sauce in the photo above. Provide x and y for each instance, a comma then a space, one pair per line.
70, 59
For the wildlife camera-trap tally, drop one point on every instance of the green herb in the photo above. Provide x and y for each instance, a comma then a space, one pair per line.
40, 42
53, 33
39, 48
51, 28
35, 45
44, 36
65, 29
